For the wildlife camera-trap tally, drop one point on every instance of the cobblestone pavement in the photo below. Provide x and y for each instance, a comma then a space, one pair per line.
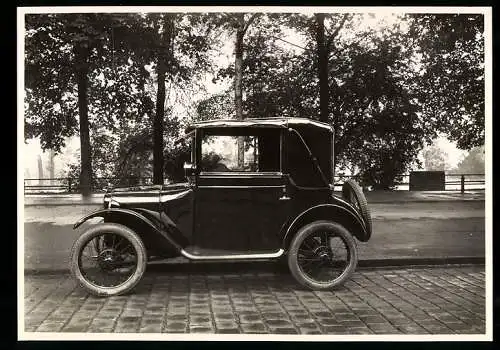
438, 300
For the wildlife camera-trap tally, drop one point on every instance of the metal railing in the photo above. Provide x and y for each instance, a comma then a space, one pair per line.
453, 182
471, 181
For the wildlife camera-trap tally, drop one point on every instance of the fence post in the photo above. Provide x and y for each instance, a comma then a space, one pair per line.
462, 183
69, 184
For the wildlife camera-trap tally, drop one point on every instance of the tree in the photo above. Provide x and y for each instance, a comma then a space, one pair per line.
121, 86
435, 158
323, 29
216, 106
473, 162
59, 50
237, 23
382, 115
322, 54
324, 44
241, 26
452, 80
164, 60
378, 127
177, 46
389, 90
70, 76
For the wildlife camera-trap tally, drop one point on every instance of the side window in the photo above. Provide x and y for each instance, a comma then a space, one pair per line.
302, 169
240, 153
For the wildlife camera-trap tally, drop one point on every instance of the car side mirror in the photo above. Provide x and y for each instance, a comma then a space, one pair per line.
189, 169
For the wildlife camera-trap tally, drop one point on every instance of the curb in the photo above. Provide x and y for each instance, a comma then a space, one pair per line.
276, 266
427, 201
434, 261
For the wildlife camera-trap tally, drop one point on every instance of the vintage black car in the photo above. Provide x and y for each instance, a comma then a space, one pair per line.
256, 189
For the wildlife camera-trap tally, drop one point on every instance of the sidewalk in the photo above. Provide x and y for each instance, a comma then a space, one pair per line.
423, 196
444, 300
372, 197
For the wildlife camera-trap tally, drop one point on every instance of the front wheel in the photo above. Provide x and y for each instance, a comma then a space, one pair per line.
108, 259
322, 255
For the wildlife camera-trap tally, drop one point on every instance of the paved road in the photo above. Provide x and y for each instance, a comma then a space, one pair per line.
402, 301
416, 229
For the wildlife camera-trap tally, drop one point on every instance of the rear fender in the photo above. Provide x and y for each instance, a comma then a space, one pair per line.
159, 234
350, 219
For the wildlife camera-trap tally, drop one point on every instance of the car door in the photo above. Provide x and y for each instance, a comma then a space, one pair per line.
240, 203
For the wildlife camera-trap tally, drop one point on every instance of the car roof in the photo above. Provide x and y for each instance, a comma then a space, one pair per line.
257, 122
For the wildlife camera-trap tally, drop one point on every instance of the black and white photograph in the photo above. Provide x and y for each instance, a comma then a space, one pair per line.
254, 173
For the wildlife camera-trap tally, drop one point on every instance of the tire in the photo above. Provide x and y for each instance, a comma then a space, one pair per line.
130, 242
352, 193
310, 231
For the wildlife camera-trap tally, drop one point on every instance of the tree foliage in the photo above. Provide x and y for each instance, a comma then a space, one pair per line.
218, 106
435, 159
472, 163
391, 88
378, 129
382, 115
66, 54
175, 46
123, 53
452, 80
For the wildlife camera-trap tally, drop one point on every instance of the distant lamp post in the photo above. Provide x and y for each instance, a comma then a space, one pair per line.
40, 170
51, 166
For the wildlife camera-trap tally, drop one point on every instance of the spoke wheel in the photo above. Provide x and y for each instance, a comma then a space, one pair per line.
108, 259
322, 255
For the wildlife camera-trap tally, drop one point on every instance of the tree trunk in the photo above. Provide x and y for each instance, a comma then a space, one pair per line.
238, 77
238, 89
322, 51
85, 148
158, 126
164, 61
322, 66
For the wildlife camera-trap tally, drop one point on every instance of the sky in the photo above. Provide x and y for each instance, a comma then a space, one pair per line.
453, 154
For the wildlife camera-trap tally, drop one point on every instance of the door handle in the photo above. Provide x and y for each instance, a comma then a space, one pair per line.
284, 194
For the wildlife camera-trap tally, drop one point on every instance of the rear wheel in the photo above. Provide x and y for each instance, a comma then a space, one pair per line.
108, 259
322, 255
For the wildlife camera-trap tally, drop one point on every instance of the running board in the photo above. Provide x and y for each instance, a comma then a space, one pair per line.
272, 255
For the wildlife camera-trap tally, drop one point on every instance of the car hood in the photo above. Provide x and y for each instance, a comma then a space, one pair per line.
136, 188
138, 195
151, 188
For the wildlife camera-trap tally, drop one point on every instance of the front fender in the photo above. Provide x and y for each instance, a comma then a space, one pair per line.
150, 233
347, 217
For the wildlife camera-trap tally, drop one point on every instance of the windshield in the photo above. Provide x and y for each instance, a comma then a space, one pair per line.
254, 150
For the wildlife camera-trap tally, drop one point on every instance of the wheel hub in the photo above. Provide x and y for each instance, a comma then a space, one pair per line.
107, 259
323, 253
